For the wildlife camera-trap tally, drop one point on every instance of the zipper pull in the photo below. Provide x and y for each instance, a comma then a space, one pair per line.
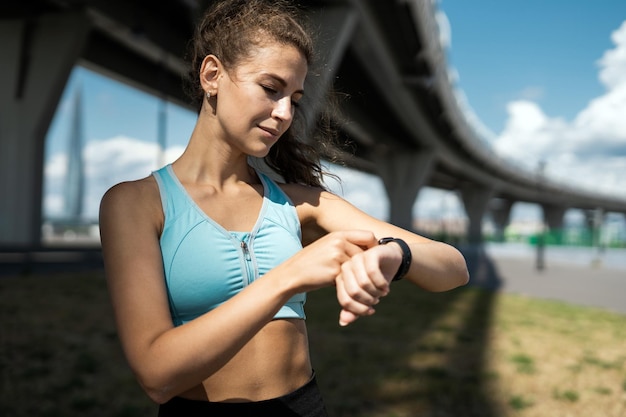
246, 252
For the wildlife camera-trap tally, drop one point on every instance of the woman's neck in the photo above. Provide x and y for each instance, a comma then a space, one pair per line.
207, 159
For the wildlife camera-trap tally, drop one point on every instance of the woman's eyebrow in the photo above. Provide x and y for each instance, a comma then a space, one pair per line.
282, 82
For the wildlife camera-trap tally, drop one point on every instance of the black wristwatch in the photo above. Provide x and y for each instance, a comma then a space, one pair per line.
406, 256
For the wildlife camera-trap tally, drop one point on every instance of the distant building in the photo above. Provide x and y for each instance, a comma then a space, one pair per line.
75, 182
71, 227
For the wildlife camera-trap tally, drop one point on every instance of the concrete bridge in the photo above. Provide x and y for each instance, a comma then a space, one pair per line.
401, 115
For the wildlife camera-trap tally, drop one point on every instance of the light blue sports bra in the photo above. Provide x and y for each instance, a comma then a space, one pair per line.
205, 265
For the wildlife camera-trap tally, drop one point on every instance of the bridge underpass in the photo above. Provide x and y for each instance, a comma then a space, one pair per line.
400, 114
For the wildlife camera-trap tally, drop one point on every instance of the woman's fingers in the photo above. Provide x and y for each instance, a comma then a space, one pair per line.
366, 269
361, 284
352, 308
361, 239
346, 317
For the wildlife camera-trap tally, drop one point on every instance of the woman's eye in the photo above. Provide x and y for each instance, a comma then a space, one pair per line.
295, 104
269, 90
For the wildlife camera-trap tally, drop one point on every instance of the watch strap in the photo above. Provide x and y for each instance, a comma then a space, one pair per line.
407, 257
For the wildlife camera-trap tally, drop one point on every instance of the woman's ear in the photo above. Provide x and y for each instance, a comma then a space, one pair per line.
209, 73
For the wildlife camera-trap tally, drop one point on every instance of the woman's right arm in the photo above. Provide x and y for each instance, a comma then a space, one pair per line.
169, 360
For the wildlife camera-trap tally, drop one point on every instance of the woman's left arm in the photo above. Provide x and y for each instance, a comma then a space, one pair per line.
435, 266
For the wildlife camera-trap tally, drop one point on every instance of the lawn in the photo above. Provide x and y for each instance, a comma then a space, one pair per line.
464, 353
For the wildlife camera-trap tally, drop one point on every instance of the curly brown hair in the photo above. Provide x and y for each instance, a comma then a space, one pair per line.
230, 30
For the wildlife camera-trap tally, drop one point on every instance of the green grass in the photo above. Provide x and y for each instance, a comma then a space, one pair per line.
567, 395
524, 363
519, 402
463, 353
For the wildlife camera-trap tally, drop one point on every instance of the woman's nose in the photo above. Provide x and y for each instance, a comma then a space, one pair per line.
283, 109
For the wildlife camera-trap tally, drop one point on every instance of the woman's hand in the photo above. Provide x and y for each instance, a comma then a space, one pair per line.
364, 279
319, 264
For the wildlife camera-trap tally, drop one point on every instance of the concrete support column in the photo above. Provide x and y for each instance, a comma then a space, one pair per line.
476, 200
595, 220
553, 221
553, 216
38, 56
501, 213
337, 25
404, 172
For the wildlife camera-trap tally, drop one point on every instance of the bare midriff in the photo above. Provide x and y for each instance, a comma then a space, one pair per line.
273, 363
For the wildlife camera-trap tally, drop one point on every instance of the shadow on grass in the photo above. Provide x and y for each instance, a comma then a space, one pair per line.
59, 352
421, 354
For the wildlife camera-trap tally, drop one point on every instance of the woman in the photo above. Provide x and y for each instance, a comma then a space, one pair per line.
204, 258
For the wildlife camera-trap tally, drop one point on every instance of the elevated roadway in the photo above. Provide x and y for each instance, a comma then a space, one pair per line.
398, 117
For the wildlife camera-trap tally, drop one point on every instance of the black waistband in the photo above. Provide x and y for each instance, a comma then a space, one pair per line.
305, 401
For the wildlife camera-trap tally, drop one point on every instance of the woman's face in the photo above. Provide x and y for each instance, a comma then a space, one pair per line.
256, 100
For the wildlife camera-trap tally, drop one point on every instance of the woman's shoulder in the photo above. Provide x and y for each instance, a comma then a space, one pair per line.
131, 196
133, 189
302, 194
311, 202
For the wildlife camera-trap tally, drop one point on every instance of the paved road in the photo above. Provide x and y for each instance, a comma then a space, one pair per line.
575, 281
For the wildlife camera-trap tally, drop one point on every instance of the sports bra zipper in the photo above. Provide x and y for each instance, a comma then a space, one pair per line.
249, 265
246, 251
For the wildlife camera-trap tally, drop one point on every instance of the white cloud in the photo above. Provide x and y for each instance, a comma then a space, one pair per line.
526, 212
433, 203
529, 134
589, 151
613, 62
54, 204
603, 174
56, 167
54, 172
445, 32
363, 190
114, 160
172, 154
107, 162
603, 122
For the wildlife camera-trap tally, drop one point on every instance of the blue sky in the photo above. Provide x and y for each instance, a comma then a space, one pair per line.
545, 50
547, 79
